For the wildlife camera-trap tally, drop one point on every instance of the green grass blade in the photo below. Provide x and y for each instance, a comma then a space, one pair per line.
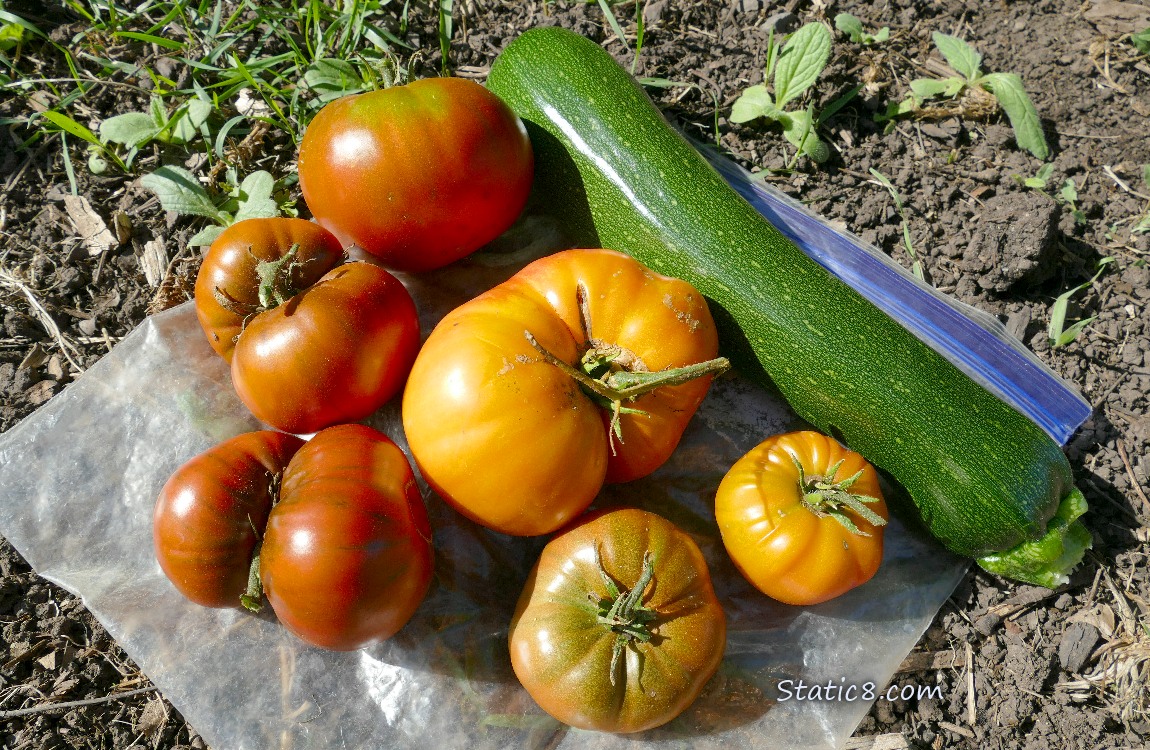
159, 41
70, 126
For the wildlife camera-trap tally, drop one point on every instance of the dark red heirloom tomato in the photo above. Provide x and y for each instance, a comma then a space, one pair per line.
335, 352
228, 286
311, 343
418, 175
346, 557
206, 520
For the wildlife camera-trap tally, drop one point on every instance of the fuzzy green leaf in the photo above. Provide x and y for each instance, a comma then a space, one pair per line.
206, 236
959, 55
179, 191
801, 62
798, 127
755, 102
255, 199
1069, 192
928, 88
849, 25
331, 79
129, 129
10, 35
1141, 41
1011, 95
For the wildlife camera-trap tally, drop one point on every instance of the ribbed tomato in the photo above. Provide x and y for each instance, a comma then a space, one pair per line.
228, 287
210, 513
802, 517
618, 628
311, 343
418, 175
583, 367
346, 557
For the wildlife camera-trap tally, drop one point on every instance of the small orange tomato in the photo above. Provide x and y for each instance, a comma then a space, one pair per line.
802, 517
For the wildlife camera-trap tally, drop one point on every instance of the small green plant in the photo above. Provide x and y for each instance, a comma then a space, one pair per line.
613, 22
916, 263
1067, 193
178, 190
1006, 88
792, 68
1141, 41
853, 28
1058, 334
134, 130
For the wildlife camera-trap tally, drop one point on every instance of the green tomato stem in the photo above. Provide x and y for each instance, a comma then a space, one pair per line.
609, 388
275, 278
622, 611
824, 496
252, 598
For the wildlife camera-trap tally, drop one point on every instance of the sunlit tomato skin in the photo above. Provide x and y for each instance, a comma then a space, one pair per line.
511, 440
418, 175
334, 353
346, 557
662, 321
208, 516
562, 653
230, 267
783, 548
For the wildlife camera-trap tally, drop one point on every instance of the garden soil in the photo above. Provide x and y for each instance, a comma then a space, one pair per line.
1019, 666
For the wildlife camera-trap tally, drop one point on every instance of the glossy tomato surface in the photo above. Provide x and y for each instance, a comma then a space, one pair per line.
514, 442
784, 548
229, 269
334, 353
564, 654
346, 556
209, 514
418, 175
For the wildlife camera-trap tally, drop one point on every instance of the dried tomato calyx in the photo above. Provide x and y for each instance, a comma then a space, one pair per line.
622, 611
275, 285
252, 598
824, 496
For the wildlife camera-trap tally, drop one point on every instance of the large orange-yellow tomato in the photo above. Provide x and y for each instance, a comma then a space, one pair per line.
418, 175
793, 534
501, 427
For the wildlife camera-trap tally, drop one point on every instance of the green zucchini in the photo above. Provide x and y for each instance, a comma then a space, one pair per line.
985, 479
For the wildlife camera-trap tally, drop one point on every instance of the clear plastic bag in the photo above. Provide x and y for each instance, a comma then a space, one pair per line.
78, 480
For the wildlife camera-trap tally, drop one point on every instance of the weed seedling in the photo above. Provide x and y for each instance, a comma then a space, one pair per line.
1005, 88
1057, 332
792, 68
853, 28
178, 190
1067, 194
916, 264
613, 22
1141, 41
